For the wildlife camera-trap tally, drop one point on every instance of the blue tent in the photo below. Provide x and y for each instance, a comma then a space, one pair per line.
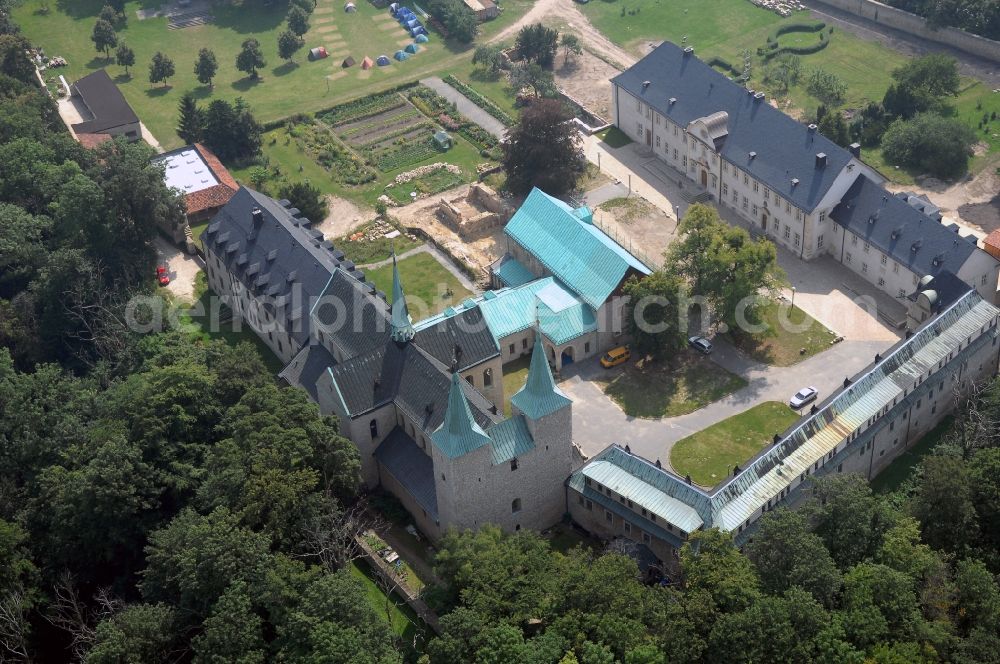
412, 23
401, 55
419, 30
412, 48
383, 60
422, 39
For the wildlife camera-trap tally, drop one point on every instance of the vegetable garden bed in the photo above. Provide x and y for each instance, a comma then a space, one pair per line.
438, 108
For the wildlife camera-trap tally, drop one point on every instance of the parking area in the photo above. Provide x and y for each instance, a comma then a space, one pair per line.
182, 269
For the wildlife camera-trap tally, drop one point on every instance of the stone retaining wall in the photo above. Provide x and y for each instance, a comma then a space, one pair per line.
917, 26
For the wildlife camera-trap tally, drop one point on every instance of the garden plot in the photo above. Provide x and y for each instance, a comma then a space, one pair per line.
386, 130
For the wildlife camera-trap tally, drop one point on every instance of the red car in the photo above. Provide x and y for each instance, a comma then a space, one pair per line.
162, 276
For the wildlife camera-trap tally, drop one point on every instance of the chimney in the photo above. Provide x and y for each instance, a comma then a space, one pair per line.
688, 50
855, 150
645, 84
673, 100
258, 217
820, 160
753, 155
795, 181
812, 129
759, 96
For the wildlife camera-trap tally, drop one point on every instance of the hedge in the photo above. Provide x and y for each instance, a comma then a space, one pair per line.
479, 100
798, 27
716, 61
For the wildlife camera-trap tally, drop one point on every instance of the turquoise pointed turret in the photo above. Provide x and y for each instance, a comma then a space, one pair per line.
540, 396
459, 434
401, 326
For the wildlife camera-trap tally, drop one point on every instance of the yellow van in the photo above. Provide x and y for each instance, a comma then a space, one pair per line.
616, 356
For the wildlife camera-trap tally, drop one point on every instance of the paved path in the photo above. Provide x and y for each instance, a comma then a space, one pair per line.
466, 107
438, 255
598, 421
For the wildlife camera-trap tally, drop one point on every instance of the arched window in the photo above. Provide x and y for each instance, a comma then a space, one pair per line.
488, 378
515, 506
373, 428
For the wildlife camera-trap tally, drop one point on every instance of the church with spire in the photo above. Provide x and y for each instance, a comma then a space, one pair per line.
441, 446
423, 401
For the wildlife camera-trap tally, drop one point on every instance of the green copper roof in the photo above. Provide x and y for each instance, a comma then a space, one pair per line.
511, 439
539, 396
401, 326
513, 273
578, 253
459, 434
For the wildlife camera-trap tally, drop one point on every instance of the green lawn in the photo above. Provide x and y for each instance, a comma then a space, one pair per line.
432, 183
792, 336
405, 623
514, 375
283, 89
709, 455
426, 283
197, 322
688, 383
363, 251
614, 137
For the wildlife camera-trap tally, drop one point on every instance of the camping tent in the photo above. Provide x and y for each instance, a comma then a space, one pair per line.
383, 60
412, 22
422, 39
350, 7
348, 62
393, 8
317, 53
412, 48
367, 63
401, 55
418, 30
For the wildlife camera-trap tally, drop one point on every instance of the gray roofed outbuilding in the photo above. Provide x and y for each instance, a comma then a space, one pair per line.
103, 98
683, 88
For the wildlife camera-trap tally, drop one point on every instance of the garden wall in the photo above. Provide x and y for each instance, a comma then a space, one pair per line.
917, 26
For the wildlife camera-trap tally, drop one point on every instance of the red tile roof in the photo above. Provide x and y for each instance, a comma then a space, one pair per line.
216, 195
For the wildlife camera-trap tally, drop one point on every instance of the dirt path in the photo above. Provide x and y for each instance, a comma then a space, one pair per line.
972, 202
343, 216
568, 16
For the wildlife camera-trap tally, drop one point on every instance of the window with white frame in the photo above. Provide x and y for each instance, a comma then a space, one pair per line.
884, 259
788, 207
767, 194
725, 189
788, 232
754, 209
881, 281
864, 268
756, 187
657, 141
745, 202
819, 241
867, 247
798, 240
847, 257
639, 129
822, 216
746, 179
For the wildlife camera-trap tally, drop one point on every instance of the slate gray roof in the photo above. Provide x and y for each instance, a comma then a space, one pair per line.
362, 323
946, 289
408, 376
907, 235
307, 367
283, 258
467, 330
785, 149
105, 101
411, 467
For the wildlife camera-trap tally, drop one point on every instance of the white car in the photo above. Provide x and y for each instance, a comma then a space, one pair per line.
700, 344
803, 396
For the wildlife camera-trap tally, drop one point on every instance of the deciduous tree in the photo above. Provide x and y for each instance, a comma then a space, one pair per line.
206, 66
250, 57
161, 68
298, 21
537, 43
104, 37
288, 44
125, 56
929, 143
